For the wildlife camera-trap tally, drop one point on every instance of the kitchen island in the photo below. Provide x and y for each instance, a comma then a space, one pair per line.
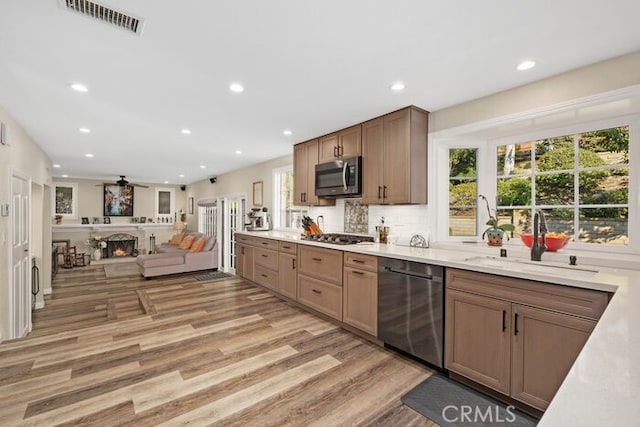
602, 385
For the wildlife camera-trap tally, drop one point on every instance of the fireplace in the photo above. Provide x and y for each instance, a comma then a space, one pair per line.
121, 245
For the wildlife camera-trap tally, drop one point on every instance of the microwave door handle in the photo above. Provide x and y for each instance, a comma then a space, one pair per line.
344, 175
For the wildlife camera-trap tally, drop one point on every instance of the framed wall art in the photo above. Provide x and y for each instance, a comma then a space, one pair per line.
65, 200
257, 193
118, 200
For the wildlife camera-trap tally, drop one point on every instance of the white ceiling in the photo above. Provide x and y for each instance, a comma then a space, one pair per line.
312, 67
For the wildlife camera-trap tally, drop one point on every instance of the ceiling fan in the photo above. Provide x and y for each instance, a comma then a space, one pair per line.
122, 182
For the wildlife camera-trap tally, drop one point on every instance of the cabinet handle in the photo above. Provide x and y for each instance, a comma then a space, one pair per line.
515, 327
504, 320
379, 191
335, 151
360, 273
315, 291
265, 256
242, 252
286, 247
293, 264
340, 150
265, 243
317, 259
359, 261
264, 275
303, 197
384, 191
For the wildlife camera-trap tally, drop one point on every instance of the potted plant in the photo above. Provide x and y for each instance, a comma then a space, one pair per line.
495, 231
98, 245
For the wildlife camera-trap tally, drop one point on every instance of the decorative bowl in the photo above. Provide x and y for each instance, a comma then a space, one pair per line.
554, 242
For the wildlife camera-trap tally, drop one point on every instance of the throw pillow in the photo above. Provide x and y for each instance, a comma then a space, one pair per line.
211, 241
177, 239
198, 244
187, 242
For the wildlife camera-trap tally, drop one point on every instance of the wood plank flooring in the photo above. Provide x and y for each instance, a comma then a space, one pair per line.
174, 351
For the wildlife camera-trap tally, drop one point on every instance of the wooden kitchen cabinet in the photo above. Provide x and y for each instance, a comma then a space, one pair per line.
288, 275
516, 336
305, 158
478, 343
360, 292
543, 349
266, 265
321, 263
394, 157
320, 295
343, 144
244, 260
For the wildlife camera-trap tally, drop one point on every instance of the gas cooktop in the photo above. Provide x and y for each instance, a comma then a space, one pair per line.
338, 238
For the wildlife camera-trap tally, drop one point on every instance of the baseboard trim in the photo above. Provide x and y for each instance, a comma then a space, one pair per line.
39, 305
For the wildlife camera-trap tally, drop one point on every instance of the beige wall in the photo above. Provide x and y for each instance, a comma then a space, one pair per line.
616, 73
22, 155
90, 200
238, 182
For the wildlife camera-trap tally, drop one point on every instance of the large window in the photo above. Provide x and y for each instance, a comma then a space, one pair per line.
580, 181
463, 191
285, 213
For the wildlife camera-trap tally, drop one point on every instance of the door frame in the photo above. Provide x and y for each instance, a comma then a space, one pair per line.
11, 310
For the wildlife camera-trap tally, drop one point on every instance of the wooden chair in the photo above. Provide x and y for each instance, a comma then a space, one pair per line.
69, 257
79, 260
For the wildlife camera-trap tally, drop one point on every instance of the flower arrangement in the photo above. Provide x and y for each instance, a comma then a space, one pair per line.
96, 242
495, 231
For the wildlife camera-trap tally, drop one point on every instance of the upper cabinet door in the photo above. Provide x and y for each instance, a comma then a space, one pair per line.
350, 142
346, 143
300, 173
328, 148
372, 161
397, 162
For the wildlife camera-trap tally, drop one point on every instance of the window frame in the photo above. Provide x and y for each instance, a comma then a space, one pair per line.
276, 216
488, 175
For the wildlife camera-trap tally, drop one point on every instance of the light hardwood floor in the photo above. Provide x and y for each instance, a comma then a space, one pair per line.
173, 351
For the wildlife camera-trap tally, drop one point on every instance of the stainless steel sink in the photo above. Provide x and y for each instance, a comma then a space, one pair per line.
529, 266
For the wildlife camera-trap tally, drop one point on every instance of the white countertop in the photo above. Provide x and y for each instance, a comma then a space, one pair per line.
603, 386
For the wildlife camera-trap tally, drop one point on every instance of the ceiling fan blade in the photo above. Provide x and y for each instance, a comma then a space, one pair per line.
140, 185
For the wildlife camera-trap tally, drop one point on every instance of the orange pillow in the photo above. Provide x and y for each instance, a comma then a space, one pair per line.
199, 244
187, 242
177, 239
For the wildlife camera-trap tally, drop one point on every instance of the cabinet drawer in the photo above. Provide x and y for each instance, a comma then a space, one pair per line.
266, 243
288, 247
243, 238
265, 277
365, 262
321, 296
321, 263
266, 258
563, 299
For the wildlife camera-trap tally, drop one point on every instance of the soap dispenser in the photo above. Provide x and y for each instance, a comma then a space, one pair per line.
383, 231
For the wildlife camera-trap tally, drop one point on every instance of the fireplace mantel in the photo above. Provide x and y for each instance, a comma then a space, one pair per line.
110, 227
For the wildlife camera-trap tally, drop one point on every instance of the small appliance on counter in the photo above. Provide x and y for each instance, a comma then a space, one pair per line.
259, 220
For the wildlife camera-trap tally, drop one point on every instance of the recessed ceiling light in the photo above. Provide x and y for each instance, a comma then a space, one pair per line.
166, 182
203, 167
398, 86
85, 130
238, 152
236, 87
181, 175
88, 155
526, 65
186, 131
55, 165
65, 175
287, 132
79, 87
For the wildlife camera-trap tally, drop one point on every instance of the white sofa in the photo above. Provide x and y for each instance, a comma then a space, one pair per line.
170, 259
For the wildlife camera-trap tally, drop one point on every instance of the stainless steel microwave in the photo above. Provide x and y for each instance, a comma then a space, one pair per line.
339, 178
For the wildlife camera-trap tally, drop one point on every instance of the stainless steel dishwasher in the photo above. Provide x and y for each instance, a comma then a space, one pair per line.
410, 308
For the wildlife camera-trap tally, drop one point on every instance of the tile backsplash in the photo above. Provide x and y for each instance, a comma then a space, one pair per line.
403, 220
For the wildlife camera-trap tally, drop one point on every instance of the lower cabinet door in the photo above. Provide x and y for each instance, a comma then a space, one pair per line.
360, 305
477, 340
287, 275
321, 296
545, 345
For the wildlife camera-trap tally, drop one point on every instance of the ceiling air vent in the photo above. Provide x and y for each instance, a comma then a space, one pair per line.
103, 13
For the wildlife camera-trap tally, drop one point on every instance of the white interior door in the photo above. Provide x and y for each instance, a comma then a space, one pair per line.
20, 289
233, 219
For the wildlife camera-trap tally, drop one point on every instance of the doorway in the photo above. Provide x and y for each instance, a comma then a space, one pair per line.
19, 275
